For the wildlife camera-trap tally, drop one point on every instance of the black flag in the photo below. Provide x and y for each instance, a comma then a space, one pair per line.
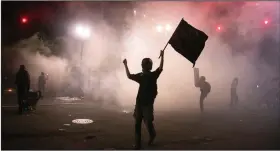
188, 41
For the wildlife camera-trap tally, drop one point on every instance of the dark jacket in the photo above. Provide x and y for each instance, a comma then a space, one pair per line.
22, 79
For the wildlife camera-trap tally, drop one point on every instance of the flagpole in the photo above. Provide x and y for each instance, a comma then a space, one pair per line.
165, 45
171, 37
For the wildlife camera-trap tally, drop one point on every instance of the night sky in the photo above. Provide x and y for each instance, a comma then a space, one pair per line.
37, 13
50, 18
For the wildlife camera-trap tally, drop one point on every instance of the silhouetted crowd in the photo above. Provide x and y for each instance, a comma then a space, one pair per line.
147, 92
27, 99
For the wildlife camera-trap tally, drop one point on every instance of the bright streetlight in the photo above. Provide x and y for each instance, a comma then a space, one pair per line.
163, 29
82, 32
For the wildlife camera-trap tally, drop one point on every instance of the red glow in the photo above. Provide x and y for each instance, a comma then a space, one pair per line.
266, 22
219, 28
24, 20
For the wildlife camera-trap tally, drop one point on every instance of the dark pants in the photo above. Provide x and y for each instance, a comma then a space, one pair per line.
21, 96
41, 88
233, 99
201, 101
145, 113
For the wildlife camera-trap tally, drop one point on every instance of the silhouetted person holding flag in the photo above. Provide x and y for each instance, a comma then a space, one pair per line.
233, 93
147, 93
23, 85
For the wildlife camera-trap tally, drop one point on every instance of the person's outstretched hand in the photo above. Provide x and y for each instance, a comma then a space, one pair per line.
161, 53
125, 62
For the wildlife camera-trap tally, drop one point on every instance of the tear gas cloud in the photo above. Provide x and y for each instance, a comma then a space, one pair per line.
103, 73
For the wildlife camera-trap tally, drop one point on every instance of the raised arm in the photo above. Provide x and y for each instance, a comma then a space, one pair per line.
134, 77
196, 77
126, 69
161, 60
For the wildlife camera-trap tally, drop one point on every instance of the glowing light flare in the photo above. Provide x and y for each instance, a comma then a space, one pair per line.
159, 28
266, 22
82, 32
219, 28
10, 90
24, 20
134, 12
168, 27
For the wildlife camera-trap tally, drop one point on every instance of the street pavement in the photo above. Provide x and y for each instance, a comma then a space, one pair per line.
51, 127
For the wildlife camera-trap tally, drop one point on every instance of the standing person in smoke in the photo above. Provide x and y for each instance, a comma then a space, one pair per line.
147, 93
76, 82
42, 83
23, 86
233, 93
205, 88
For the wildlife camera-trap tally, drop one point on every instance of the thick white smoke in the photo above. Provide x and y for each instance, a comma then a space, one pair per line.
176, 84
38, 58
103, 72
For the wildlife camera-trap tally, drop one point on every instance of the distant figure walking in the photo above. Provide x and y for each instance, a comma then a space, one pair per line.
147, 92
23, 86
42, 83
204, 86
233, 93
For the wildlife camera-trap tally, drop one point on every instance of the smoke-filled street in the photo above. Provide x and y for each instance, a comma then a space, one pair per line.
51, 127
140, 75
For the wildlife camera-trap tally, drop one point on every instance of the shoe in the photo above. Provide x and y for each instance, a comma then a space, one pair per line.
151, 141
137, 147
